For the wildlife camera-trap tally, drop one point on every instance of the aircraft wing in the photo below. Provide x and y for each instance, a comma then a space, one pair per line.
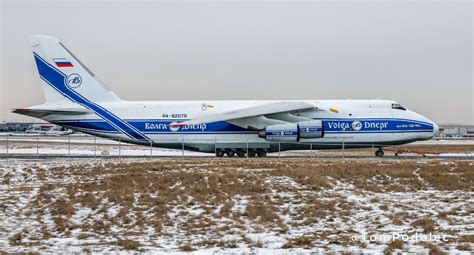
250, 114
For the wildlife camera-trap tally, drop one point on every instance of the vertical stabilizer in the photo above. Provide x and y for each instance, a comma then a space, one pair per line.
63, 75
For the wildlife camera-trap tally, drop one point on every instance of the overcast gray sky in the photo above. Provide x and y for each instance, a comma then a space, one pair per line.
419, 53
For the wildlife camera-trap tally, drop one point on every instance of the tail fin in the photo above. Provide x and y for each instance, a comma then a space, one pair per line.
63, 75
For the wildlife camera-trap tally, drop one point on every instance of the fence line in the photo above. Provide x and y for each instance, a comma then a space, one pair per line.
49, 146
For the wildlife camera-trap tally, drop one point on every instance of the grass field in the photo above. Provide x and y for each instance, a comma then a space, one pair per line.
237, 205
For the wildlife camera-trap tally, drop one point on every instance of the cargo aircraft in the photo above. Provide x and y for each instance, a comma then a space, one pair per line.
77, 99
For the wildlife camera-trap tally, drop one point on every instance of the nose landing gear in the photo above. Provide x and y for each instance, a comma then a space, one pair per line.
379, 152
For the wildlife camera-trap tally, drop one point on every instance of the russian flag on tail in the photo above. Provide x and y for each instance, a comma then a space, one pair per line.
62, 62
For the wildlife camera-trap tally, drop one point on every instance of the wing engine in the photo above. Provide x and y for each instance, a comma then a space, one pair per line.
293, 132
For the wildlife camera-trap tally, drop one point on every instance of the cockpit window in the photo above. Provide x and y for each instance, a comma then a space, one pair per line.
398, 107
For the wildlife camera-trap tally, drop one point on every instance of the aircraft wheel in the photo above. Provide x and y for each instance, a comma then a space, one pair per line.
252, 153
220, 153
262, 152
379, 153
230, 153
240, 153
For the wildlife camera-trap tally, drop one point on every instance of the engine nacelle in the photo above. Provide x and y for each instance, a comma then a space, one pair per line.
311, 129
281, 133
293, 132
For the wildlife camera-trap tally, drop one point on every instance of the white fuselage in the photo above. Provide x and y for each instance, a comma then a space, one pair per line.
349, 123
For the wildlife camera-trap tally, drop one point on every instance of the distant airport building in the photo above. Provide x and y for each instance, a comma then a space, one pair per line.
15, 126
454, 130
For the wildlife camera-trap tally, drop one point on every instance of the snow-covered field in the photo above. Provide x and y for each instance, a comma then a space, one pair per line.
81, 146
208, 205
102, 151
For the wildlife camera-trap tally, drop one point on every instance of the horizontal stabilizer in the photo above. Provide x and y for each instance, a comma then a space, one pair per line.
39, 113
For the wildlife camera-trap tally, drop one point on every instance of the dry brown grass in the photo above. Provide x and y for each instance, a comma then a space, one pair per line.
225, 210
374, 200
443, 215
467, 239
443, 148
228, 244
15, 239
186, 248
449, 177
428, 225
359, 173
145, 193
288, 245
61, 224
302, 242
398, 218
45, 233
394, 245
434, 250
464, 247
82, 236
89, 200
6, 179
264, 213
62, 207
128, 244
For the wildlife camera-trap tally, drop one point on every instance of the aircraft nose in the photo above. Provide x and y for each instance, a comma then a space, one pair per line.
435, 129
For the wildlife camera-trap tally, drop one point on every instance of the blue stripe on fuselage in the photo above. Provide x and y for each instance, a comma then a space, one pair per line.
56, 79
372, 125
161, 126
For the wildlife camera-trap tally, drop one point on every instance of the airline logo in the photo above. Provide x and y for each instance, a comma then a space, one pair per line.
74, 80
150, 126
356, 125
62, 62
376, 125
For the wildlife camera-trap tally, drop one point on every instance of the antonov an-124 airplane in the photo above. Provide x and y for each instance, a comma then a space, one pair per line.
76, 99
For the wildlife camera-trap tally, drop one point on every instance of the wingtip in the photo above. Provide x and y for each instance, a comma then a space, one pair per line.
20, 109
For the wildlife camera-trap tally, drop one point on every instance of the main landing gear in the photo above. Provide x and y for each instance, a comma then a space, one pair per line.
220, 153
379, 152
241, 153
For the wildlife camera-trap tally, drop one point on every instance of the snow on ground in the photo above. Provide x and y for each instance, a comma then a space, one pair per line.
102, 151
236, 206
82, 146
